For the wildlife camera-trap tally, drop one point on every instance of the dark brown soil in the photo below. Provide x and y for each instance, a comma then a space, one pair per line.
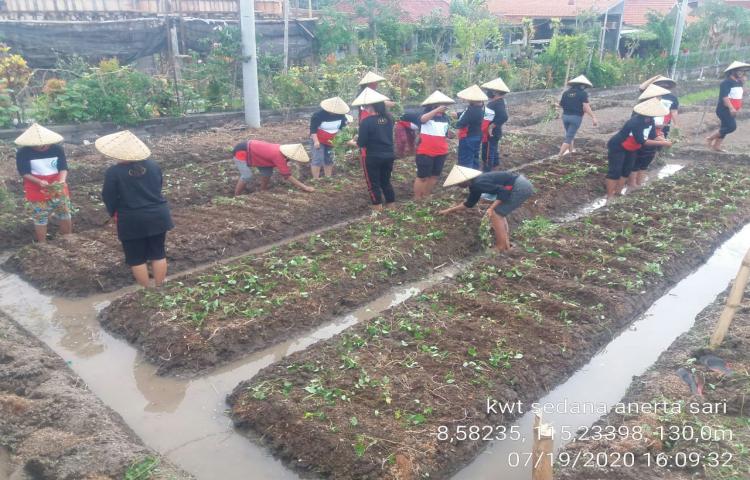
53, 426
663, 383
368, 403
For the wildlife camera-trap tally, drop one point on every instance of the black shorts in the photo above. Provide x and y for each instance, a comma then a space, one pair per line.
140, 250
620, 162
728, 122
644, 158
428, 166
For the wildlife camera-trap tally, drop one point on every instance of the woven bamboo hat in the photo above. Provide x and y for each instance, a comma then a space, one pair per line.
369, 97
460, 174
643, 86
652, 91
123, 146
580, 80
651, 108
473, 94
670, 83
371, 77
294, 151
37, 136
438, 98
736, 66
335, 105
497, 85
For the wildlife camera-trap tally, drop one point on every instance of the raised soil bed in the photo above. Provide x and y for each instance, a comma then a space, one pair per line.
370, 402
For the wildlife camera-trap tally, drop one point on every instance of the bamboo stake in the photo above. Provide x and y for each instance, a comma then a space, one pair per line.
542, 450
733, 302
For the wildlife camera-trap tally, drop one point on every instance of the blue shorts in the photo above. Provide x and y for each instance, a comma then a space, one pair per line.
322, 156
246, 174
265, 171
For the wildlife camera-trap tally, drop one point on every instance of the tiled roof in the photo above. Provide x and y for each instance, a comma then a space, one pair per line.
636, 11
546, 8
412, 10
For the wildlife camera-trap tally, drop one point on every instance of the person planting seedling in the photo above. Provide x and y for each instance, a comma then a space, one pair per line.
647, 153
510, 190
265, 157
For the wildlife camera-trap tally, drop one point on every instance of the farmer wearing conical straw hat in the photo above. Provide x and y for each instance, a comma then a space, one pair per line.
575, 104
510, 189
730, 102
495, 115
647, 153
375, 139
372, 81
41, 162
325, 124
469, 127
132, 193
623, 147
266, 157
433, 125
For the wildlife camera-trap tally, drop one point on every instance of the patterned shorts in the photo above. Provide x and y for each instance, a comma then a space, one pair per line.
59, 207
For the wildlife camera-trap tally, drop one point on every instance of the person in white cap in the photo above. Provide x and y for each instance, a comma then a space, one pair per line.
495, 115
432, 151
132, 194
265, 157
575, 104
730, 102
469, 127
41, 162
511, 190
622, 147
325, 124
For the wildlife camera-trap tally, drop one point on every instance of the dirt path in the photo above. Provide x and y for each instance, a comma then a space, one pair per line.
53, 427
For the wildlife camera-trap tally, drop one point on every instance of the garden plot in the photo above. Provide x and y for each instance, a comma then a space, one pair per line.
53, 427
706, 437
256, 301
370, 402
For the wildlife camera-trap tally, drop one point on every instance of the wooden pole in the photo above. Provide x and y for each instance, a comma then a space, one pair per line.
542, 450
733, 302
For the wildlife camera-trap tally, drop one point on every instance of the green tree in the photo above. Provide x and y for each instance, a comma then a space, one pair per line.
472, 36
334, 32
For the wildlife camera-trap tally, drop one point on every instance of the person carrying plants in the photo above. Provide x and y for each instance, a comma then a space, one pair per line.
41, 162
495, 115
132, 194
510, 190
375, 138
646, 154
730, 102
469, 127
575, 104
265, 157
622, 148
432, 151
324, 125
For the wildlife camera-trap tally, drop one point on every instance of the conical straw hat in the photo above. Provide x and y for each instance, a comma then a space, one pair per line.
643, 86
295, 151
37, 136
735, 65
371, 77
460, 174
438, 98
580, 80
653, 91
123, 146
651, 108
369, 97
473, 94
497, 84
662, 79
335, 105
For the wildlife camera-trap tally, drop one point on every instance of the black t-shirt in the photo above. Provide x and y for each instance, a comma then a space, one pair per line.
133, 191
472, 120
40, 163
376, 135
640, 127
670, 101
572, 101
725, 90
501, 116
327, 119
494, 183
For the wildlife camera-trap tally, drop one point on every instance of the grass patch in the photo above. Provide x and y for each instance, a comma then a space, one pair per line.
700, 97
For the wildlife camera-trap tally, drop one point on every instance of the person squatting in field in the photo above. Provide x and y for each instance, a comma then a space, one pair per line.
623, 146
375, 139
575, 104
469, 127
730, 102
41, 162
432, 151
647, 153
511, 190
265, 157
132, 194
495, 115
325, 124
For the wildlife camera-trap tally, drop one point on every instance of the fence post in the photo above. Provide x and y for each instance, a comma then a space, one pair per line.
733, 302
542, 449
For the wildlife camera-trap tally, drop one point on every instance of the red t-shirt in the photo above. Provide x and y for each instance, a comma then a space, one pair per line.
264, 154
